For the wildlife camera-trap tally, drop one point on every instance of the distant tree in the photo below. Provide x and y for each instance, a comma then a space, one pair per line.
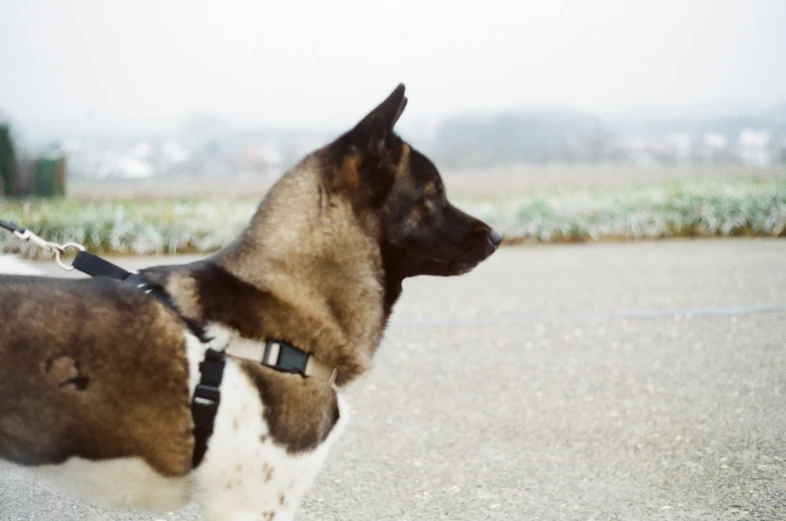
7, 162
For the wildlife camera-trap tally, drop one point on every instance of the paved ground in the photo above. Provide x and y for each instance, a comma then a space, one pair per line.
622, 381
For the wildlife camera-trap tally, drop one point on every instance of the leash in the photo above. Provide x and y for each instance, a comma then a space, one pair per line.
27, 235
207, 395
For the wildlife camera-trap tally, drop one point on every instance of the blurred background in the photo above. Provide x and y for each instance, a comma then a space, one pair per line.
633, 375
108, 100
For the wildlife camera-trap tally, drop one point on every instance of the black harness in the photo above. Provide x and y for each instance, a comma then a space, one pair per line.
207, 395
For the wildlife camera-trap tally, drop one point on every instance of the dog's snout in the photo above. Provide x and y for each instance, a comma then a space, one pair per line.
495, 237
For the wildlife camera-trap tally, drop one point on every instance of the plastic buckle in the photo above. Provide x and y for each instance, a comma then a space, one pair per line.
207, 395
293, 360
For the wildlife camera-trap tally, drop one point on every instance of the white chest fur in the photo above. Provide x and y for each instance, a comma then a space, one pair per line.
244, 475
244, 471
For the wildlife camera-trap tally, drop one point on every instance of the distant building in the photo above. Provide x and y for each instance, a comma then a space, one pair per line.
679, 147
715, 149
265, 159
780, 155
174, 153
126, 166
715, 141
754, 147
639, 152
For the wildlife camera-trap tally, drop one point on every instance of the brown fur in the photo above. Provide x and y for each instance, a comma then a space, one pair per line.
300, 416
91, 360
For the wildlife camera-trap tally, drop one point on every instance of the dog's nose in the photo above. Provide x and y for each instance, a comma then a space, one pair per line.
495, 237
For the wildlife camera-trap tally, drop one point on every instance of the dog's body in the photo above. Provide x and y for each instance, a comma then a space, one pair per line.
96, 377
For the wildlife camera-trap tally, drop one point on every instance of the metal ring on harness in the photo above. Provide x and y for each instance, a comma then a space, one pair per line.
61, 248
57, 249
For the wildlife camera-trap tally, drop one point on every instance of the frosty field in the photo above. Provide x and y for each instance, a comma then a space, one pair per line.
147, 226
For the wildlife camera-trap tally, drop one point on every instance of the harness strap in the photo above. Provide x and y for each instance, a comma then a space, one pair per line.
95, 266
204, 405
207, 395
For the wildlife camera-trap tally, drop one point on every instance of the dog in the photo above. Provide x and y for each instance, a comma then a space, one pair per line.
97, 377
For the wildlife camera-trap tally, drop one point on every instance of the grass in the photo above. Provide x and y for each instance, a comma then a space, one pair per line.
683, 209
127, 226
202, 225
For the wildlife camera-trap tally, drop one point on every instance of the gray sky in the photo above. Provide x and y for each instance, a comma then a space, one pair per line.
102, 64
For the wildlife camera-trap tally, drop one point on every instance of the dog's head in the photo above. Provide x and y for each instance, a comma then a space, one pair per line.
400, 191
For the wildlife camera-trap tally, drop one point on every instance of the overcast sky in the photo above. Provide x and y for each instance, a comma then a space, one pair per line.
92, 65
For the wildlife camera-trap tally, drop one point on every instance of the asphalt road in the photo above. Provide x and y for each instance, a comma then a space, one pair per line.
584, 382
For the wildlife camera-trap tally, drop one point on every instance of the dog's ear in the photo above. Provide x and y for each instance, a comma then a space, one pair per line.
374, 129
368, 155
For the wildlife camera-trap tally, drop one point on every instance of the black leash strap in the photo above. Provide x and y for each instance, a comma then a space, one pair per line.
11, 226
95, 266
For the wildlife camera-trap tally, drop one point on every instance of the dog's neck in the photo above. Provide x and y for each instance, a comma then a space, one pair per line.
318, 274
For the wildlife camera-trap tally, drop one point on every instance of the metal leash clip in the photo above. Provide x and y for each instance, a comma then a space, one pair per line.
58, 249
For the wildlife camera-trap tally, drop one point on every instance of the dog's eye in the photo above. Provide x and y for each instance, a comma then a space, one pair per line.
432, 194
431, 199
